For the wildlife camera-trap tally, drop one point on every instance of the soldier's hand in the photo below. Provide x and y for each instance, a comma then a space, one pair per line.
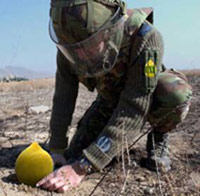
63, 179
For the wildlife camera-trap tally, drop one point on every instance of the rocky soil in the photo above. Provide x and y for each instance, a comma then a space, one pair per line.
19, 127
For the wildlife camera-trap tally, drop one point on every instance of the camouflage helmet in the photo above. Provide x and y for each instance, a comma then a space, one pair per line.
88, 33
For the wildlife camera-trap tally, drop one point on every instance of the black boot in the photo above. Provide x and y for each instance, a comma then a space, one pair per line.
158, 153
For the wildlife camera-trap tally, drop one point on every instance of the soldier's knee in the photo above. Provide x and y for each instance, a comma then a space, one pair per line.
165, 120
171, 101
172, 90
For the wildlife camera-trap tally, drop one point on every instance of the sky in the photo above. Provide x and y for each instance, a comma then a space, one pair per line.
24, 39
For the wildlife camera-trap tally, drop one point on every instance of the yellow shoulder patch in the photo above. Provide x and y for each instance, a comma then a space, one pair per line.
150, 69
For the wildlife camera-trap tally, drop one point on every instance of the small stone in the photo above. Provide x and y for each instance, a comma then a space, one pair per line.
38, 109
140, 178
12, 134
112, 184
73, 129
144, 184
6, 144
148, 172
47, 118
149, 190
3, 139
133, 164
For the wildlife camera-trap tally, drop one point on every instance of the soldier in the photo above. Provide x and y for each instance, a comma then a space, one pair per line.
119, 53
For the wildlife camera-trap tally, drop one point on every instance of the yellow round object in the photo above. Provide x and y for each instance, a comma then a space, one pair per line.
33, 164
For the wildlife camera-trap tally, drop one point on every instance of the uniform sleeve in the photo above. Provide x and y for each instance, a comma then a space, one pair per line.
66, 90
130, 115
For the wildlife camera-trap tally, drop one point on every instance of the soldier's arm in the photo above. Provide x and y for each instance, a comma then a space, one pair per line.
131, 113
66, 90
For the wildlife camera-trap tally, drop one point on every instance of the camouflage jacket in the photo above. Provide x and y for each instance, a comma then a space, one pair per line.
128, 87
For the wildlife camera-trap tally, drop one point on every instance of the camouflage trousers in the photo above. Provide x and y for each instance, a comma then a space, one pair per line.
170, 105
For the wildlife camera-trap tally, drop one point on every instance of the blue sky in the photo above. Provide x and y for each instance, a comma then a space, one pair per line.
25, 41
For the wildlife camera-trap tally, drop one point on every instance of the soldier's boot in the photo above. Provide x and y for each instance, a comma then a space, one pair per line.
158, 153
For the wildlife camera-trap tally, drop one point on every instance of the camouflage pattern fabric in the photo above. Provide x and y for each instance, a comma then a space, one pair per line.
82, 20
137, 89
171, 101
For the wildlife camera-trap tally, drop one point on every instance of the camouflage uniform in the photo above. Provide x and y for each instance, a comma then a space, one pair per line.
138, 89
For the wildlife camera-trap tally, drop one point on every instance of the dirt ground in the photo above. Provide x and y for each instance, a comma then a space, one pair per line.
19, 127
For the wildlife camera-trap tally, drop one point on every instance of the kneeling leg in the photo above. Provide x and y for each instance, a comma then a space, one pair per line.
170, 106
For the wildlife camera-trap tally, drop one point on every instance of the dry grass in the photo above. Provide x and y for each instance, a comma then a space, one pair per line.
27, 85
49, 83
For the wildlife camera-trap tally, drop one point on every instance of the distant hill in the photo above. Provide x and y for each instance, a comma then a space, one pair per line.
23, 72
